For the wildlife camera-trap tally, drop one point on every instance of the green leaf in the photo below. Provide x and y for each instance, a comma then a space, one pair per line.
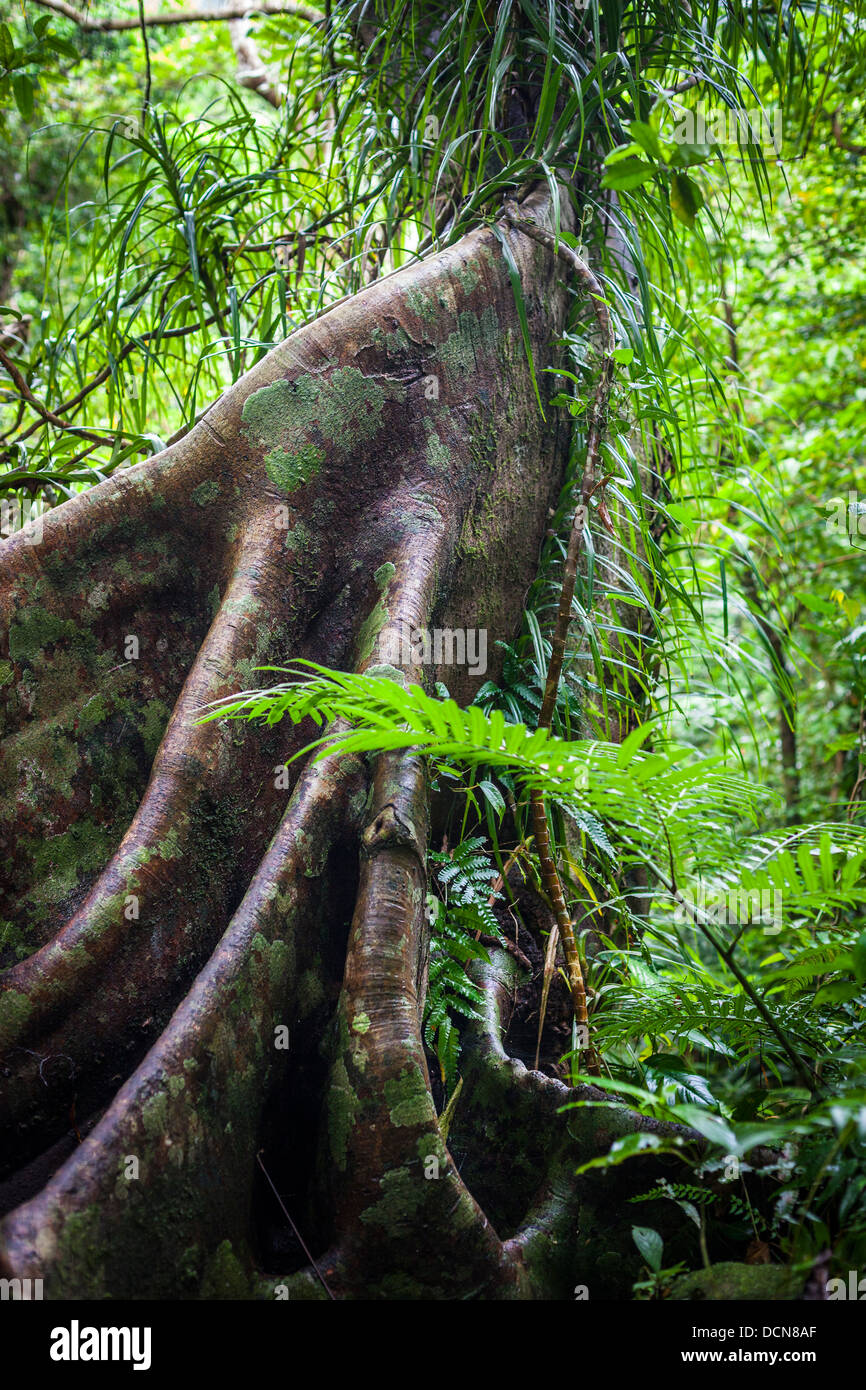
648, 139
493, 795
62, 46
686, 199
712, 1127
517, 287
684, 156
7, 46
22, 86
650, 1245
627, 174
631, 745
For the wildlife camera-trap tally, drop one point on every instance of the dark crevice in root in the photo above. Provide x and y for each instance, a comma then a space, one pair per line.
291, 1120
528, 921
29, 1179
521, 1151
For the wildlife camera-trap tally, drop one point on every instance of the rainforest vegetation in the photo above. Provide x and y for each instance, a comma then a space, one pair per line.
433, 649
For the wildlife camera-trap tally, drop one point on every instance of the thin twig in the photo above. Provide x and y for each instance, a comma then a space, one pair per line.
47, 415
300, 1238
147, 73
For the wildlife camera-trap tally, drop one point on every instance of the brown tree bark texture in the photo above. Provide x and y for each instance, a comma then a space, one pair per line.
168, 905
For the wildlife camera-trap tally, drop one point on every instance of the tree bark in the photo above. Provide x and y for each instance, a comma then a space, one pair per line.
171, 906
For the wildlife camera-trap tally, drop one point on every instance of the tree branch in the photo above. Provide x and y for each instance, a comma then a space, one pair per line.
205, 15
839, 136
47, 415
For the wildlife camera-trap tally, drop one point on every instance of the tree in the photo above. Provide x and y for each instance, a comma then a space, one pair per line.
215, 964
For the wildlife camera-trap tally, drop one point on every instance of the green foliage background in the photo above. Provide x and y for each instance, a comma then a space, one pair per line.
155, 250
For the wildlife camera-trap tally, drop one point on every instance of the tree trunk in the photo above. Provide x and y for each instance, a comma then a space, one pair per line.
171, 908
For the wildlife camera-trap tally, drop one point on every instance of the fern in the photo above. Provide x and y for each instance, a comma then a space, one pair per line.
678, 1191
465, 876
659, 794
703, 1014
680, 815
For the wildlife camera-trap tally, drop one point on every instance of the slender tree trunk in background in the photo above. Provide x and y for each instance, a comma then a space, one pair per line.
787, 706
202, 965
788, 746
251, 72
787, 725
787, 713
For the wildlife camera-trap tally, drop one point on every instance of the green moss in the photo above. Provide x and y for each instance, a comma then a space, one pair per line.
7, 673
430, 1146
407, 1098
361, 1023
343, 1106
397, 342
373, 624
189, 1267
98, 596
438, 456
293, 420
303, 1287
279, 961
476, 339
310, 992
403, 1194
314, 854
215, 827
224, 1277
213, 601
388, 672
152, 728
290, 471
93, 713
14, 941
47, 759
154, 1115
468, 278
78, 1256
738, 1282
422, 304
15, 1010
31, 632
205, 492
405, 1288
61, 860
301, 538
